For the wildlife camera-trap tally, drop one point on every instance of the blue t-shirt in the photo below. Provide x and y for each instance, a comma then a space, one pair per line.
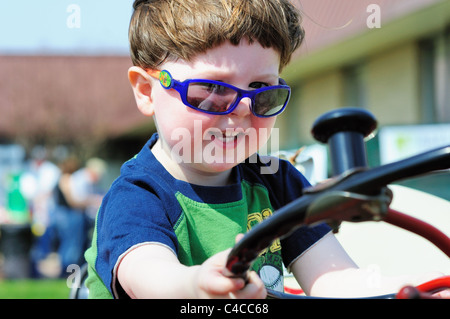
146, 204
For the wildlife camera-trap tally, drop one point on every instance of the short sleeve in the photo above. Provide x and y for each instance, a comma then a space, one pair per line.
131, 214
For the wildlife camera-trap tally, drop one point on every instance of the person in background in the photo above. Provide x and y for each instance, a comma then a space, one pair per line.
75, 195
38, 184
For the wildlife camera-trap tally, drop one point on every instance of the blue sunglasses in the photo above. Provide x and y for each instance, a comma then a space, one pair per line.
214, 97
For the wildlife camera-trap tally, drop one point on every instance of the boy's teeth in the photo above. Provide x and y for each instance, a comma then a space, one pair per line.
226, 139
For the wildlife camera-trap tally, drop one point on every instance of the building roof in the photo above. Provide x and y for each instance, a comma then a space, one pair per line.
66, 98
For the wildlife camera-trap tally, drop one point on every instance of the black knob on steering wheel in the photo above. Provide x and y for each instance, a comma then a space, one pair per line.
344, 130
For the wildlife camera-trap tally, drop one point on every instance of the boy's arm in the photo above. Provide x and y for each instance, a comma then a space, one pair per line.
153, 271
327, 270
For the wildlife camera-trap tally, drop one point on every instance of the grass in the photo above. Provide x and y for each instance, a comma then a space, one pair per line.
34, 289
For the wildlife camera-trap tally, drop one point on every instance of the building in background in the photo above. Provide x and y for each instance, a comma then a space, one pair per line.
391, 57
81, 101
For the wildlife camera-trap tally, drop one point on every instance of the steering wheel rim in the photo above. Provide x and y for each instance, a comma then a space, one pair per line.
294, 214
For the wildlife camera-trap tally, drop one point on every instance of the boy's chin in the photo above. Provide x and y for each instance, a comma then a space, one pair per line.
218, 166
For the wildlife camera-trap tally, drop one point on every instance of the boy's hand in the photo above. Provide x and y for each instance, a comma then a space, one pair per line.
212, 283
154, 271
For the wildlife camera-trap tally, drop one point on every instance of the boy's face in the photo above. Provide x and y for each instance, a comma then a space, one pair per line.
207, 144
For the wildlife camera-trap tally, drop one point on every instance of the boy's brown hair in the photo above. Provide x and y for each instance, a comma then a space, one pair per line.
168, 30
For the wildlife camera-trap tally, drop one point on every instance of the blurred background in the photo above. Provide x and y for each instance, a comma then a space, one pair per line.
69, 116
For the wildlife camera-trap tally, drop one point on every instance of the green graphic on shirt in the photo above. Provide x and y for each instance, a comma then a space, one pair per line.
205, 229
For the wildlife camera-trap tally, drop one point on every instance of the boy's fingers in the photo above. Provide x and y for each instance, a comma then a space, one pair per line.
255, 289
239, 237
217, 282
220, 287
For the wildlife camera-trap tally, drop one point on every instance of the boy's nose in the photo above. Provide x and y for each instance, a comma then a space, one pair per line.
243, 108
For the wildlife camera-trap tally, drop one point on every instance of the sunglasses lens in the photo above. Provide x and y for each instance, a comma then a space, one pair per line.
215, 98
271, 102
210, 97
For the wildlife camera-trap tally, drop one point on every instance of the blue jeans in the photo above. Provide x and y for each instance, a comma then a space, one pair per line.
70, 228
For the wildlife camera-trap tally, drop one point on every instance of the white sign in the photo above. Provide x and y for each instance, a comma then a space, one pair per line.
399, 142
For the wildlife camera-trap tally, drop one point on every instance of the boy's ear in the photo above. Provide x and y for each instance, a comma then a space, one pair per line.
142, 88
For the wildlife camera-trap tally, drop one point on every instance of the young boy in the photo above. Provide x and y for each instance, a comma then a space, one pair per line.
207, 71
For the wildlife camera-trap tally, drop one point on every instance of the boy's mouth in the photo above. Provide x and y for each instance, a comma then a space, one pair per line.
226, 139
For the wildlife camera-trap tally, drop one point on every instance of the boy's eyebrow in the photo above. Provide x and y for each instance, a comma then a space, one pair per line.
224, 76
